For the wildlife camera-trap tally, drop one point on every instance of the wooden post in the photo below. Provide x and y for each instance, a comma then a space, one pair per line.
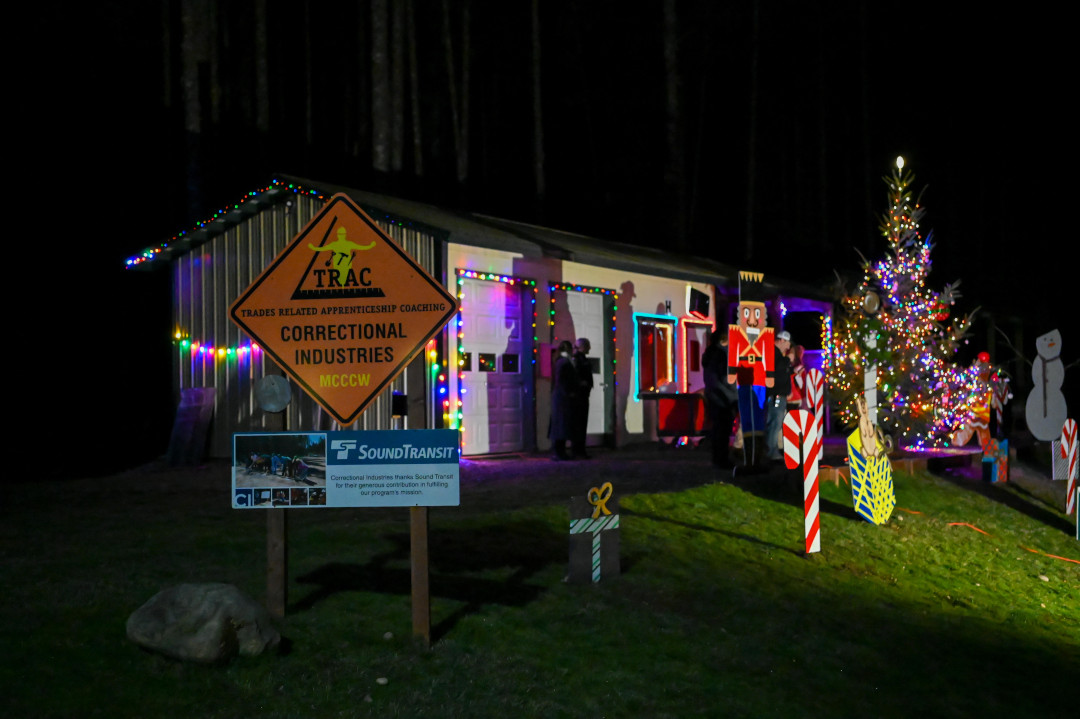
416, 384
277, 561
421, 597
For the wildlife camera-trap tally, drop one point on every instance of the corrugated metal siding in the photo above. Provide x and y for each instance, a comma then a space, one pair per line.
207, 281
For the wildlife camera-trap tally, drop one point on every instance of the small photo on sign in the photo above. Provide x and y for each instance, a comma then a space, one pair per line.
288, 460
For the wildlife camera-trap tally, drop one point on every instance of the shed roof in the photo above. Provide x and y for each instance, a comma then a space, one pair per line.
472, 229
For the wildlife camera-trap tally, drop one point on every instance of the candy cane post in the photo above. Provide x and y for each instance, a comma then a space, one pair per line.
1068, 453
814, 400
801, 442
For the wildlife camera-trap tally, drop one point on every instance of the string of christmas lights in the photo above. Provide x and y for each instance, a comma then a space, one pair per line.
152, 253
210, 351
895, 322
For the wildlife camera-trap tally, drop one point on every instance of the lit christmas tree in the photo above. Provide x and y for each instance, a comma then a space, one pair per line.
895, 324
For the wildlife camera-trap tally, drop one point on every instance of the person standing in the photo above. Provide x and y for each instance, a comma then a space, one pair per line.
720, 397
776, 396
584, 375
798, 376
563, 393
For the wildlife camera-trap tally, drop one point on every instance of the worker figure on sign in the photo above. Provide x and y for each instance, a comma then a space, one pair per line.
751, 354
342, 251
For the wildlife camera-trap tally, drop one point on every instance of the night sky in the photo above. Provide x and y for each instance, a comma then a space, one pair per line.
976, 103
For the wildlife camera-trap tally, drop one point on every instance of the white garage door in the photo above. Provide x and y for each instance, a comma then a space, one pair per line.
492, 401
587, 314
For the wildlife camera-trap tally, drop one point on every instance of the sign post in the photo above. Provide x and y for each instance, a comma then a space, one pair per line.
277, 562
418, 567
344, 310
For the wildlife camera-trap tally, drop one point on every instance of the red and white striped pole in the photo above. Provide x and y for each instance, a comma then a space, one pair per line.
801, 442
815, 401
1068, 452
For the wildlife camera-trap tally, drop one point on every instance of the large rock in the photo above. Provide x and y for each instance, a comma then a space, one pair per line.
208, 623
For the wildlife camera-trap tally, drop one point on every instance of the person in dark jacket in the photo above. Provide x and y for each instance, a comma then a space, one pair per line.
720, 397
580, 411
563, 393
776, 396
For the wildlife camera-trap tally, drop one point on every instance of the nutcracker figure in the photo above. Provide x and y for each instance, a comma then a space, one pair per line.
750, 353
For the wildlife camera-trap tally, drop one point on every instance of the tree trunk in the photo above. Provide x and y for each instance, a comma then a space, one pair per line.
414, 90
192, 68
193, 51
675, 174
262, 69
213, 64
380, 87
538, 116
459, 105
869, 225
309, 110
824, 241
751, 169
397, 87
166, 56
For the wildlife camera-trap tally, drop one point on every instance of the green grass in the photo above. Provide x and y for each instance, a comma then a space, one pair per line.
717, 612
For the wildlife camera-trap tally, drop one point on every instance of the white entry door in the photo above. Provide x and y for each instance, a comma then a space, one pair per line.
695, 341
493, 396
587, 314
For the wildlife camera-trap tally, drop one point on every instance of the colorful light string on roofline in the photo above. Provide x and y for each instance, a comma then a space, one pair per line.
453, 413
152, 253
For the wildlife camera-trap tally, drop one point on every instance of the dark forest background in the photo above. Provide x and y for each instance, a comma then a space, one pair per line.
750, 131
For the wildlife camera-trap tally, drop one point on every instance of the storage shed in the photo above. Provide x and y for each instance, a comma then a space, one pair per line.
522, 289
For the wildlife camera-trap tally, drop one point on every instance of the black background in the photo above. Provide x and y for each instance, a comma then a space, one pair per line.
978, 102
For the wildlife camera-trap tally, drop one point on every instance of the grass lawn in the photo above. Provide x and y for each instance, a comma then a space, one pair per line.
717, 612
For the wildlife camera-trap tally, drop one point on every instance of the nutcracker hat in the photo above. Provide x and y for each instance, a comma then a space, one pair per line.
751, 287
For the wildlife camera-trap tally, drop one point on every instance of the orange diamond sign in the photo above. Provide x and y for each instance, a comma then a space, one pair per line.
343, 309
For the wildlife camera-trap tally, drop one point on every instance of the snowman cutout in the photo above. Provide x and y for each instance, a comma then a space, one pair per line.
1046, 410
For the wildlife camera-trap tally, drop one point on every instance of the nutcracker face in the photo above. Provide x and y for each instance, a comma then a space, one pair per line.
752, 315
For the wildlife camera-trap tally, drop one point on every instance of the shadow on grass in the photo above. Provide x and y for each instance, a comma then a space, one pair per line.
1015, 498
785, 486
704, 528
456, 559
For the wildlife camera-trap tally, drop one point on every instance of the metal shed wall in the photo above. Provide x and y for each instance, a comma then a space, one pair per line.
206, 282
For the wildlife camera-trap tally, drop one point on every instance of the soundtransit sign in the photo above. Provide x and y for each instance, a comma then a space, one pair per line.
373, 468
